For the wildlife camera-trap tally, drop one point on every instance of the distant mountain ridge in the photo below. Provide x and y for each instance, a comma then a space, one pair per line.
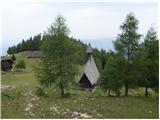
101, 43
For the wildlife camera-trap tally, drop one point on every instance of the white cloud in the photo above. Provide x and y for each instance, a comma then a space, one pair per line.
89, 22
85, 20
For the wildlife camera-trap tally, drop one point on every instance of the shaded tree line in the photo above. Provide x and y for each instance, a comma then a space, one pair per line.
133, 63
31, 44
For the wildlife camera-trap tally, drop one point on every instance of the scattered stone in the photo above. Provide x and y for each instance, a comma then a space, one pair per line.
75, 115
84, 115
99, 115
34, 97
67, 110
55, 109
30, 105
27, 109
31, 114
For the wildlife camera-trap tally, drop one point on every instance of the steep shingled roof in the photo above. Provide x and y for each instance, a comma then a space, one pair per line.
5, 58
89, 49
35, 54
91, 71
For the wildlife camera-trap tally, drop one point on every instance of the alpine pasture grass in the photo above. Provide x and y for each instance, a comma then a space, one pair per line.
19, 100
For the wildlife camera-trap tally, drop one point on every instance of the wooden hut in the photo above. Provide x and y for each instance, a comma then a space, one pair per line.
90, 74
34, 54
6, 63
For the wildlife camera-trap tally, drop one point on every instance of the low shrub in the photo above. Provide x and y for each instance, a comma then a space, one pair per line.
40, 91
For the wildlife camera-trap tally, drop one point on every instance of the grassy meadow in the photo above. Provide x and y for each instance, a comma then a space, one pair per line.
19, 100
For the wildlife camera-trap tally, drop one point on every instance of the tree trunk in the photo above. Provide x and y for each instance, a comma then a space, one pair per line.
109, 91
62, 90
118, 93
126, 88
146, 91
128, 57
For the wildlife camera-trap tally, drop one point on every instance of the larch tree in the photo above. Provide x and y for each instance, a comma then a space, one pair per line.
126, 45
57, 65
148, 62
11, 52
113, 74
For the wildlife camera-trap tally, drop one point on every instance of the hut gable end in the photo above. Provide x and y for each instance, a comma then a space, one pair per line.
90, 73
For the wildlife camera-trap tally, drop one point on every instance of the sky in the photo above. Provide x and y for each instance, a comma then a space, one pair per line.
91, 22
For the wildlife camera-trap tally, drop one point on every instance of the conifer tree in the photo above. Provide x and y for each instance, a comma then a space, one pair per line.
57, 66
126, 45
148, 62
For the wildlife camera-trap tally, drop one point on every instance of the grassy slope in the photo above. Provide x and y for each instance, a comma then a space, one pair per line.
21, 94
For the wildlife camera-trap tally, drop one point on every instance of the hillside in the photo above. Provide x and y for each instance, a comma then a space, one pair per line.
19, 100
30, 63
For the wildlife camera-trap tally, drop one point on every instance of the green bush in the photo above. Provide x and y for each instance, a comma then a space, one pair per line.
13, 57
12, 94
40, 92
20, 66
